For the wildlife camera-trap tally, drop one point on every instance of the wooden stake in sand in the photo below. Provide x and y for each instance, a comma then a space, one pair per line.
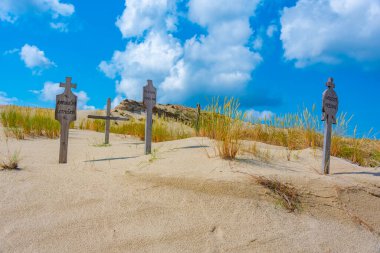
108, 119
65, 112
149, 100
198, 119
329, 110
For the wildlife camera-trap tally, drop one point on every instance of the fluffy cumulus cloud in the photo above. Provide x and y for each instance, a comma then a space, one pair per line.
150, 59
328, 31
5, 100
50, 90
217, 62
34, 58
142, 15
10, 10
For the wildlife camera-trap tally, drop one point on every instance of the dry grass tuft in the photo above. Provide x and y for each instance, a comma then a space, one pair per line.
287, 195
11, 162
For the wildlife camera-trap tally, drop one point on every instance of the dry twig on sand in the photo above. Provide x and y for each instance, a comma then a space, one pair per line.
288, 195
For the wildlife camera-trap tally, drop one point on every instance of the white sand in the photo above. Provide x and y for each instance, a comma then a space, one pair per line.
181, 199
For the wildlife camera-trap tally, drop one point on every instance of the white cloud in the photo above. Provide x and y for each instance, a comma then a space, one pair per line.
10, 10
217, 62
271, 30
116, 101
258, 115
142, 15
150, 59
5, 100
258, 43
62, 27
11, 51
35, 59
50, 90
329, 31
82, 101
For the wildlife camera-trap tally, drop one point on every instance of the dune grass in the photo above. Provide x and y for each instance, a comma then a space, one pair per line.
228, 126
21, 122
163, 129
221, 121
11, 162
224, 123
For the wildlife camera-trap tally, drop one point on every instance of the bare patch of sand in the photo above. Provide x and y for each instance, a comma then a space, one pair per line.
180, 199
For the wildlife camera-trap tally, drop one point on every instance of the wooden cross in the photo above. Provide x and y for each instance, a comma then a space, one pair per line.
107, 118
65, 112
330, 82
329, 110
68, 85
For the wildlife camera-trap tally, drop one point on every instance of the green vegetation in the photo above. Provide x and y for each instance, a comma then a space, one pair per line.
20, 122
222, 122
228, 126
11, 162
225, 124
164, 129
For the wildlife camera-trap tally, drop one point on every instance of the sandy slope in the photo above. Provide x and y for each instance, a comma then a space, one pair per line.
181, 199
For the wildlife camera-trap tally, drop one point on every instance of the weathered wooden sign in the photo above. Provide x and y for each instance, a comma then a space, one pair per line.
65, 112
149, 100
329, 110
108, 119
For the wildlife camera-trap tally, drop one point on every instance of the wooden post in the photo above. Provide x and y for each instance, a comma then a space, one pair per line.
65, 112
148, 130
107, 134
329, 110
326, 148
149, 100
198, 119
64, 142
108, 119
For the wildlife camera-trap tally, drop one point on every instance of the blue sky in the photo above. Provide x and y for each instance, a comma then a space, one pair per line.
273, 55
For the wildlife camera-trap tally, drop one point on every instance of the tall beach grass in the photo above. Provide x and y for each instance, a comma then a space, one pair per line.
163, 129
22, 122
224, 123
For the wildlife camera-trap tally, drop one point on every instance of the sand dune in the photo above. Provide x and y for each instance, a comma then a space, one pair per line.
180, 199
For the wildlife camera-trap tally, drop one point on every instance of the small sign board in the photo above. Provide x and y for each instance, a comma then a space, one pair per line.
66, 103
329, 102
149, 94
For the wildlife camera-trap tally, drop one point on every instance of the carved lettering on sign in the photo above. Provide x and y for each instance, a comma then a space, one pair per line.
329, 103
